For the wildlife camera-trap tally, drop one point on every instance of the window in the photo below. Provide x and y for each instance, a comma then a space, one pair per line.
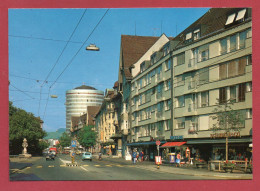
249, 114
196, 34
180, 101
180, 123
223, 46
242, 40
142, 67
233, 93
242, 66
204, 99
180, 80
181, 59
233, 43
242, 92
232, 69
204, 75
188, 36
166, 49
241, 14
249, 87
203, 122
230, 19
222, 95
168, 65
167, 125
167, 104
153, 58
167, 85
222, 71
249, 60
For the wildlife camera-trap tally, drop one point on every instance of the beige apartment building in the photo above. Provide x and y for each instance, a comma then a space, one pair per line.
179, 82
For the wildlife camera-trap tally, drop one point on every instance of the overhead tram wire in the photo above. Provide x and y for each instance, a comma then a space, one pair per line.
74, 58
59, 58
22, 91
40, 38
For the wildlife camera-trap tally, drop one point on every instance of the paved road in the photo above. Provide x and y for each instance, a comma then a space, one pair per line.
95, 170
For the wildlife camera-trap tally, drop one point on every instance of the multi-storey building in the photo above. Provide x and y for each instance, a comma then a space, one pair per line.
175, 89
78, 99
211, 65
105, 124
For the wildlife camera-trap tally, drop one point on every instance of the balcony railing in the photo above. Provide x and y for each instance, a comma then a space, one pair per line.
193, 129
192, 62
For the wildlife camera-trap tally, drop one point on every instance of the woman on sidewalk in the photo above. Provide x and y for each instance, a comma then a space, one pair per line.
178, 159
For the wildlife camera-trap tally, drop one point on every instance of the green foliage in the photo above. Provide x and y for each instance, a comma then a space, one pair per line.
24, 125
43, 145
65, 140
87, 137
226, 118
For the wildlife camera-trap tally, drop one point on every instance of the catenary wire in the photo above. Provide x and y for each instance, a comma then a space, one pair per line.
74, 58
60, 56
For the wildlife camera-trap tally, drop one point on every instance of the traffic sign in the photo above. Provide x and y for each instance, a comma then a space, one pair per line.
73, 143
158, 142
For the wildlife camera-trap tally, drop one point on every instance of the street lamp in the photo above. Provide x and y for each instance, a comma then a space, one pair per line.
92, 47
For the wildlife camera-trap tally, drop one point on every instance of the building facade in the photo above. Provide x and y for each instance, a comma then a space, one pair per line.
175, 91
78, 99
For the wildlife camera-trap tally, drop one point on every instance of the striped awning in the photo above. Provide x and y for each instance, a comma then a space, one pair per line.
172, 144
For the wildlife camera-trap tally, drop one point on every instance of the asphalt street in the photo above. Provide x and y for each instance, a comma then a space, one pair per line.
93, 170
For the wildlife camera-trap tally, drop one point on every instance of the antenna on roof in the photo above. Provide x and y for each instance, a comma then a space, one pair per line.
161, 27
135, 28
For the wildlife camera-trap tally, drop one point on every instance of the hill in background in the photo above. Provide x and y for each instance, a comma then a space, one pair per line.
55, 135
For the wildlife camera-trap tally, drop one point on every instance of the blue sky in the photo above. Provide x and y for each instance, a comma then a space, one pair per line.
32, 54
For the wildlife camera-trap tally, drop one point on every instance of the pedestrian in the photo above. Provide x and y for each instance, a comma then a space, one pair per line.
142, 156
134, 157
137, 156
178, 159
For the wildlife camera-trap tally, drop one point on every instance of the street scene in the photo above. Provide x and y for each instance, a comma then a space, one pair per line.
130, 94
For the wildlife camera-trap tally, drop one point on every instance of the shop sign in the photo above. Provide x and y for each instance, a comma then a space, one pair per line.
176, 137
219, 135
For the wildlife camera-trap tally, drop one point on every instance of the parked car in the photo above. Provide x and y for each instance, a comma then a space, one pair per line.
50, 156
87, 156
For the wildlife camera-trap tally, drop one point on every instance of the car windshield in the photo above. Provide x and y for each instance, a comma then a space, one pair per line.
87, 153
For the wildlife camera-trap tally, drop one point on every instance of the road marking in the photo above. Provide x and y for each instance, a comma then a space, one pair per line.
119, 165
62, 165
65, 161
39, 167
109, 165
51, 166
84, 168
27, 168
85, 165
97, 165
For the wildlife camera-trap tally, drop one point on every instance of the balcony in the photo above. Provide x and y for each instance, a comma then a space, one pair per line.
192, 62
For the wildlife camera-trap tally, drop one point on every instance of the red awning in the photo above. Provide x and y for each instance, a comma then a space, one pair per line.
173, 144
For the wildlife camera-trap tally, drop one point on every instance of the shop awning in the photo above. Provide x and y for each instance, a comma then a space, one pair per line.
173, 144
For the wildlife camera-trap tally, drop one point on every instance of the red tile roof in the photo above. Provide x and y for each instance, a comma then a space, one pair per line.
133, 48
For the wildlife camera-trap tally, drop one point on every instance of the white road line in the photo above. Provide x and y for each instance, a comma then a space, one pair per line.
65, 161
84, 168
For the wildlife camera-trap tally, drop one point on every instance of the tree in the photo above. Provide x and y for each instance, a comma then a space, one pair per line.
227, 120
87, 137
65, 140
22, 125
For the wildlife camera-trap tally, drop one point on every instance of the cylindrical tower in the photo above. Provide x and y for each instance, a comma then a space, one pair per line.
78, 99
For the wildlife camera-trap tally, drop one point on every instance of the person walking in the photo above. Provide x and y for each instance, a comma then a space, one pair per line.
141, 156
178, 159
134, 157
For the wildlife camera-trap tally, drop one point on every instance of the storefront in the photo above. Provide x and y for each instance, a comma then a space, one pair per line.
149, 149
170, 150
215, 149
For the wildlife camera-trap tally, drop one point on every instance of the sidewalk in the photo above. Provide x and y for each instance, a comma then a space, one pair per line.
16, 164
191, 171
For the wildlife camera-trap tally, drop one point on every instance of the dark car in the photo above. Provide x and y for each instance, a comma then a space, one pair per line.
50, 156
